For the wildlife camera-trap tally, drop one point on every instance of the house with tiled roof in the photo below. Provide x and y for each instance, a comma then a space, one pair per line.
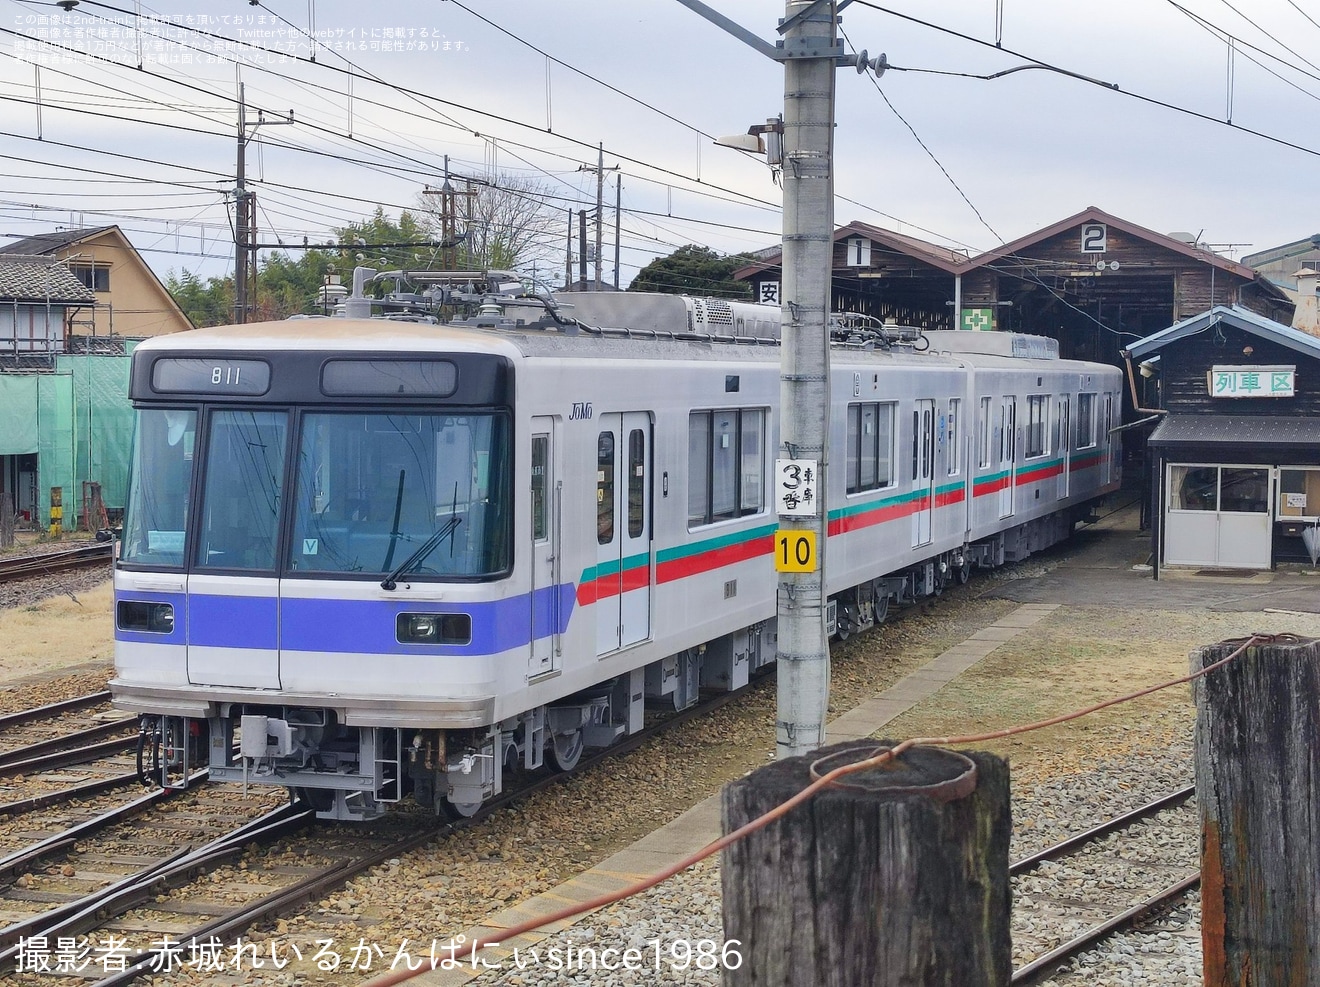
38, 299
130, 301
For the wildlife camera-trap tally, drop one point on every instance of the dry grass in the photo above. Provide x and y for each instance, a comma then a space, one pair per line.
1079, 656
57, 635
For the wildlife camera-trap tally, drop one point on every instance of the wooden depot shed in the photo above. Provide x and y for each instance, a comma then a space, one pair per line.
879, 273
1236, 457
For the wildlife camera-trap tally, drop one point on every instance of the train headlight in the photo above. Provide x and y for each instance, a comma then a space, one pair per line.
139, 615
433, 628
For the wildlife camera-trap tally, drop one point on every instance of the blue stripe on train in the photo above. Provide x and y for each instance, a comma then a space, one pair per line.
354, 626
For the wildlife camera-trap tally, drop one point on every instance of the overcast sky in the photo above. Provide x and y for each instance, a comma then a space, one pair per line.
1026, 149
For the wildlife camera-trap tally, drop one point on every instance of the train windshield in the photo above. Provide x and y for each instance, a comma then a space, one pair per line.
156, 516
373, 488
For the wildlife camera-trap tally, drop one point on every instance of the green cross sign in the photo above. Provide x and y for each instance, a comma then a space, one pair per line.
977, 319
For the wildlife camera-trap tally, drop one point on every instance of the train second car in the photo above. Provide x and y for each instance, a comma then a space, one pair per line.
366, 559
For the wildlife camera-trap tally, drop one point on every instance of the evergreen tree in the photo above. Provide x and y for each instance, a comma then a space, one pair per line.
695, 270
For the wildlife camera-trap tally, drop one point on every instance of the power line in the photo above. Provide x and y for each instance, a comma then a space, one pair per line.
1283, 142
929, 153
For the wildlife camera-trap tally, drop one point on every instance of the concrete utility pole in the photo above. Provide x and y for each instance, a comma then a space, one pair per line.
618, 204
600, 170
810, 52
243, 261
245, 215
804, 359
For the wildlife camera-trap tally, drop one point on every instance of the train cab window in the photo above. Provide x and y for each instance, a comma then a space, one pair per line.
605, 488
376, 488
987, 434
1085, 421
242, 490
870, 453
1037, 425
726, 464
160, 475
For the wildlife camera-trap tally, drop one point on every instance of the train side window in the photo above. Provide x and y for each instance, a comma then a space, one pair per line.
870, 446
1085, 421
987, 431
540, 457
1037, 425
726, 464
954, 437
698, 466
751, 459
605, 488
636, 481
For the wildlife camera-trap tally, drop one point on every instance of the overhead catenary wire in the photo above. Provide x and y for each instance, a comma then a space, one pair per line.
929, 153
1113, 87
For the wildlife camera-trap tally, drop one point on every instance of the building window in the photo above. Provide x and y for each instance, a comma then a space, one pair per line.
955, 436
1037, 423
1299, 494
1085, 421
93, 276
726, 465
870, 462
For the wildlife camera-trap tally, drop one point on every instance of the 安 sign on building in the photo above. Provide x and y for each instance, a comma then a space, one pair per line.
1251, 382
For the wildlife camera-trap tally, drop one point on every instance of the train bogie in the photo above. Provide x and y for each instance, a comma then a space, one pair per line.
366, 560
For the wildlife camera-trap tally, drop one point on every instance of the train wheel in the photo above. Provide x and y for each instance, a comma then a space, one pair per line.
566, 750
881, 607
963, 571
459, 810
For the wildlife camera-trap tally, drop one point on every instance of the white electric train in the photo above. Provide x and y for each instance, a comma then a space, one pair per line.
364, 559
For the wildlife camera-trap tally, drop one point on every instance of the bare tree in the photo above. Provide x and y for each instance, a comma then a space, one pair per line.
508, 223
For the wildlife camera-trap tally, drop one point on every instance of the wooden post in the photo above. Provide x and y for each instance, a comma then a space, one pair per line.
6, 520
1258, 786
870, 884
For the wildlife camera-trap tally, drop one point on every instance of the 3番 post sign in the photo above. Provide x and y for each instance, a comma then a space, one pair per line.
796, 495
1251, 382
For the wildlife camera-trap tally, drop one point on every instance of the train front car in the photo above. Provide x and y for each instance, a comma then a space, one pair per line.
314, 575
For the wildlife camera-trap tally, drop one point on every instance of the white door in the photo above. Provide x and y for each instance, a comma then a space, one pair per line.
1007, 453
1218, 516
923, 471
623, 531
545, 603
1064, 445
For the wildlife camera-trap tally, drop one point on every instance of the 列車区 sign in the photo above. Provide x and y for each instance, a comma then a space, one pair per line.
1251, 382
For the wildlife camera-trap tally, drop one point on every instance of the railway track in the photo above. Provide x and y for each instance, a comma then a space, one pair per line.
1078, 893
16, 567
208, 891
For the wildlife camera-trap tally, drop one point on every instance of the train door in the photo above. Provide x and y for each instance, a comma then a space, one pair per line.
1007, 453
1064, 445
623, 531
923, 471
545, 603
233, 619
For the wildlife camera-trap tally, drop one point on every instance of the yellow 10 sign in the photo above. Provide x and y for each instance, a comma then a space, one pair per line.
795, 551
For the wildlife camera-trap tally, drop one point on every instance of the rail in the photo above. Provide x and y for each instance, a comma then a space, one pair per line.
15, 567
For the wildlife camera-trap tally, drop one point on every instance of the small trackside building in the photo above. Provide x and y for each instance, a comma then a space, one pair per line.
1236, 455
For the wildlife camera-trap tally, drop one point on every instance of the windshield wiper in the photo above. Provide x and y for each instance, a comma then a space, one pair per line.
428, 546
